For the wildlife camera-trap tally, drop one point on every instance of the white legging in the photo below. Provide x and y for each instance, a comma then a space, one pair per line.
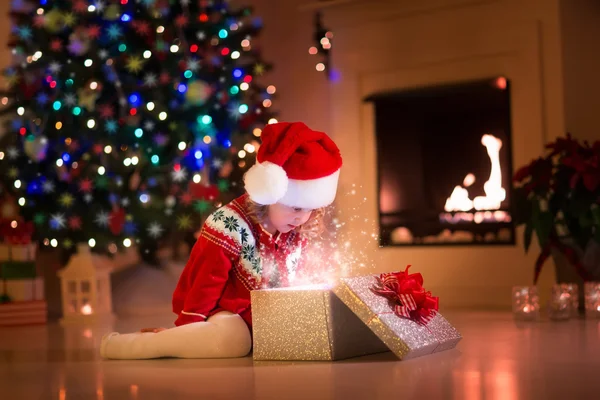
223, 335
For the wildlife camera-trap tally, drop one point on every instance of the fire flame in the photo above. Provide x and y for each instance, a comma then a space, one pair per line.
495, 194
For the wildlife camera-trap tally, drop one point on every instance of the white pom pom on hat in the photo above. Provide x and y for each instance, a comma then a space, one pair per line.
296, 166
267, 182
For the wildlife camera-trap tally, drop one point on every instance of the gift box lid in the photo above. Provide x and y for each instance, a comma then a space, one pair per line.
403, 336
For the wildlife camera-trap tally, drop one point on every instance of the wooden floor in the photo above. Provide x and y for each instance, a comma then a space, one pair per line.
497, 359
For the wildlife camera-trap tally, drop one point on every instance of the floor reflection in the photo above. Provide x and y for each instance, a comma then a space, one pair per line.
497, 359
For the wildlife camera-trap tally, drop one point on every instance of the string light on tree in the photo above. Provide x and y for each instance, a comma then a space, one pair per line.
118, 96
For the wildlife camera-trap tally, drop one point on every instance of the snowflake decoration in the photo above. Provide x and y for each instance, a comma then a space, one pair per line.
57, 221
102, 219
88, 198
217, 163
48, 187
134, 64
150, 80
75, 223
55, 67
24, 32
125, 202
100, 5
201, 35
66, 200
179, 175
155, 230
42, 98
110, 126
86, 185
193, 64
149, 126
114, 31
93, 32
13, 152
13, 172
70, 99
103, 54
234, 111
76, 47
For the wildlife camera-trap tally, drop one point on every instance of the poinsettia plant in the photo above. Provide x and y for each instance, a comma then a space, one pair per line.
557, 197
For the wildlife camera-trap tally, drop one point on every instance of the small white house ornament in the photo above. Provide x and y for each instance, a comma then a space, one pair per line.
85, 289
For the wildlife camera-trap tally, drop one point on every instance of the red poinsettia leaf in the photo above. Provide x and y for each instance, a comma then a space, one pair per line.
591, 180
574, 180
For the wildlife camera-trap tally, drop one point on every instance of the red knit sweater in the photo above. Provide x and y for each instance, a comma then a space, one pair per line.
233, 256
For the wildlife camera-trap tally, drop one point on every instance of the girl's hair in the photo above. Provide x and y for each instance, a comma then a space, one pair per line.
312, 228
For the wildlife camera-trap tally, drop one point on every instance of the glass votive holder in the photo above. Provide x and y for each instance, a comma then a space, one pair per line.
592, 299
525, 303
563, 302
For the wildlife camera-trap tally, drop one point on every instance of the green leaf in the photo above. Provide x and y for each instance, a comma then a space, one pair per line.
542, 223
585, 220
527, 236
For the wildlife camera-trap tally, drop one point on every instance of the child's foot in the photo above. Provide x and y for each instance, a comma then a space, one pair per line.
104, 343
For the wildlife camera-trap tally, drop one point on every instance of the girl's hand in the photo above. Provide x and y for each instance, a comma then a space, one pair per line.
153, 330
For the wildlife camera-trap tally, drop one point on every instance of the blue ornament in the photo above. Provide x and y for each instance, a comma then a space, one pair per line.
130, 228
42, 98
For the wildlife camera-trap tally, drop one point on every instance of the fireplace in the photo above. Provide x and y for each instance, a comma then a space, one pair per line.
444, 164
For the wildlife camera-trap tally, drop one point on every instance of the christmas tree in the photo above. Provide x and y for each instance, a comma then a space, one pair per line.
129, 120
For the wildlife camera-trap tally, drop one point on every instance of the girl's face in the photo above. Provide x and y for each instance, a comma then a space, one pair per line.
285, 219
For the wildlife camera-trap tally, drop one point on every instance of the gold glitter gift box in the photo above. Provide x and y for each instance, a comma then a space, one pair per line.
348, 320
404, 337
307, 323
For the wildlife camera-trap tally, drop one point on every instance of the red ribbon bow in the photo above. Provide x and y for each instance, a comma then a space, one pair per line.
406, 295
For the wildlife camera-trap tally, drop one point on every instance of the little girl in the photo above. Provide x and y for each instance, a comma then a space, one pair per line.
256, 241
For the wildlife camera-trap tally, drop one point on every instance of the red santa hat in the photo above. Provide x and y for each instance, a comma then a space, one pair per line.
295, 166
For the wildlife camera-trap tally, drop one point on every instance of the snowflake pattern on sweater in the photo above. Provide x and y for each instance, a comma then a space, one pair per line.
242, 240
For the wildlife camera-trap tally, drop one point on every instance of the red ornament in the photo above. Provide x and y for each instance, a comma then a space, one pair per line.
39, 21
117, 220
181, 21
98, 148
204, 192
165, 78
185, 199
